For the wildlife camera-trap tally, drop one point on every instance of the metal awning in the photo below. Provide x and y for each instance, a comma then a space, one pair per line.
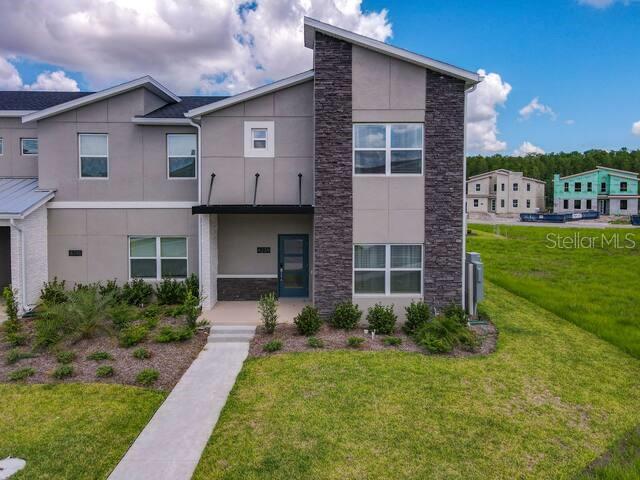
21, 196
272, 209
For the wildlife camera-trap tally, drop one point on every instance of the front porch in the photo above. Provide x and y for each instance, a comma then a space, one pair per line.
246, 312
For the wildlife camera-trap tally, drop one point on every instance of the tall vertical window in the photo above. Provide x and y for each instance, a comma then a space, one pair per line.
502, 187
528, 203
588, 207
1, 146
515, 203
495, 187
94, 155
589, 186
577, 187
565, 204
528, 187
475, 202
566, 186
387, 269
387, 149
623, 186
577, 204
515, 187
156, 258
259, 138
181, 155
477, 187
603, 187
502, 203
623, 204
29, 146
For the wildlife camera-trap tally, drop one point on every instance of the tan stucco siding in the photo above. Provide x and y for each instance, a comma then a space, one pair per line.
12, 162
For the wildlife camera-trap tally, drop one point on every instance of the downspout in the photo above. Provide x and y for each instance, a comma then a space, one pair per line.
199, 160
23, 266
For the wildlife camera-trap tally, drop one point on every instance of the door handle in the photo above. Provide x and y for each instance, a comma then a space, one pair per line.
281, 271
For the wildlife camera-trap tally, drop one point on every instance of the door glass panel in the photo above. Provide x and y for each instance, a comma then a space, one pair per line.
293, 262
293, 246
293, 279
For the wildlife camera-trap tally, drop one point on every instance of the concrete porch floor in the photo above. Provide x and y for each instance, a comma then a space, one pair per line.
246, 312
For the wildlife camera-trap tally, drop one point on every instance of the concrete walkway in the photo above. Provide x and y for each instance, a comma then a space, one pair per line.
246, 312
171, 444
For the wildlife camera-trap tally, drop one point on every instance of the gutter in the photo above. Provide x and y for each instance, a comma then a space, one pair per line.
198, 128
23, 266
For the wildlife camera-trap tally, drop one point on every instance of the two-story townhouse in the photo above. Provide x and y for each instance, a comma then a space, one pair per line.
345, 182
609, 190
504, 192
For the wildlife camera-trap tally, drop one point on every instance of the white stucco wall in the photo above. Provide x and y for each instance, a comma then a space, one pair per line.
209, 265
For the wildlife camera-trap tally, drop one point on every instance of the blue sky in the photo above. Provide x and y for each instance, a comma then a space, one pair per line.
579, 58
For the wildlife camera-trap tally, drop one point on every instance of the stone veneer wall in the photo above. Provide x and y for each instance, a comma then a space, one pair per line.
245, 288
333, 219
444, 184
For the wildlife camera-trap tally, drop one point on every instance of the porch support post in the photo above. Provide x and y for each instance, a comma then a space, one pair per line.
209, 260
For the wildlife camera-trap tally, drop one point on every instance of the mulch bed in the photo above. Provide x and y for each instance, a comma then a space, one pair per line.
335, 339
171, 360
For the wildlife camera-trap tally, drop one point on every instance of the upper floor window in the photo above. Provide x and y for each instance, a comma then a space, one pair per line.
577, 187
566, 186
181, 155
477, 187
502, 187
495, 187
29, 146
387, 269
259, 139
528, 187
603, 187
623, 186
515, 187
156, 258
94, 155
387, 149
589, 187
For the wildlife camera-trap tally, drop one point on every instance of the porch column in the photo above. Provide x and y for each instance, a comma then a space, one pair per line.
209, 260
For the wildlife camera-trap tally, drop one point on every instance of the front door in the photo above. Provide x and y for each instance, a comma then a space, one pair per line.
293, 265
603, 207
492, 205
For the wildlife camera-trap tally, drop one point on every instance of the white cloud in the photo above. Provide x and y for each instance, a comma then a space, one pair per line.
597, 3
10, 79
9, 76
527, 148
482, 115
535, 107
635, 128
208, 45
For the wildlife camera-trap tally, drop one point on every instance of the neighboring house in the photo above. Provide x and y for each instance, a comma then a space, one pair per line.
608, 190
344, 182
504, 192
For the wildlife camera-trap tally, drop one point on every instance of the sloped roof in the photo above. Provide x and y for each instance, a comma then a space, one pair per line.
29, 100
20, 196
177, 110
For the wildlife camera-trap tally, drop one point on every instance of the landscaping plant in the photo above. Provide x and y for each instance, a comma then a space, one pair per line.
111, 288
21, 374
346, 315
169, 334
132, 335
53, 292
63, 371
147, 377
99, 356
268, 308
170, 292
315, 342
456, 312
65, 357
122, 315
14, 355
136, 292
191, 308
382, 319
141, 353
104, 371
417, 313
11, 326
443, 334
192, 284
272, 346
392, 341
355, 342
308, 321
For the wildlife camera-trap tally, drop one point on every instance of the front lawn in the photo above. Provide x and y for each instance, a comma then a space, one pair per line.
551, 400
72, 431
598, 289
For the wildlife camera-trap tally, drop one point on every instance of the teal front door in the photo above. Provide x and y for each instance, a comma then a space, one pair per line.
293, 265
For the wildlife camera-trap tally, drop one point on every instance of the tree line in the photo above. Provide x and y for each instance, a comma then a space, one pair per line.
544, 166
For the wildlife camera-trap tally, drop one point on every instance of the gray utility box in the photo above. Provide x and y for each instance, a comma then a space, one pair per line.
474, 282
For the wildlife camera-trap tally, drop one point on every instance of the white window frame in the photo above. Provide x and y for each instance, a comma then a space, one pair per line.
249, 150
387, 270
387, 149
80, 176
195, 157
158, 257
22, 140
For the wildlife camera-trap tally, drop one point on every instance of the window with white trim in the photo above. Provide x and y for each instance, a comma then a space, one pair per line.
181, 155
155, 258
388, 149
29, 146
259, 139
380, 269
94, 155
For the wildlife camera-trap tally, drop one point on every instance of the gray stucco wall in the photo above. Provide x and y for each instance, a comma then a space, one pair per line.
102, 235
137, 154
291, 110
12, 162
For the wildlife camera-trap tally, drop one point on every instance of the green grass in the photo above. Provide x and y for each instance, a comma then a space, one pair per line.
551, 400
622, 462
597, 289
71, 431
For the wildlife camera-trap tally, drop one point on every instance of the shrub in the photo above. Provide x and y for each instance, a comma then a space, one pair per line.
151, 315
63, 371
272, 346
483, 315
122, 315
268, 308
308, 321
355, 342
16, 339
170, 292
418, 313
136, 292
147, 377
392, 341
65, 357
382, 319
110, 288
99, 356
14, 355
104, 371
191, 308
315, 342
141, 353
455, 312
192, 284
132, 335
12, 327
169, 334
53, 292
346, 315
21, 374
444, 333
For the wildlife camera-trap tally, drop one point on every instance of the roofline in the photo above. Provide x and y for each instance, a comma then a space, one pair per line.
485, 174
248, 95
145, 81
617, 170
311, 25
15, 113
32, 208
160, 121
634, 175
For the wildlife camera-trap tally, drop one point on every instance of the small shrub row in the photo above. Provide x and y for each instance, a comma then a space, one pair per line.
63, 371
21, 374
170, 334
65, 357
99, 356
132, 335
141, 353
104, 371
147, 377
15, 355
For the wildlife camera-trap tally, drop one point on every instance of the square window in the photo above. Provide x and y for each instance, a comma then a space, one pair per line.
623, 204
477, 187
387, 149
369, 256
406, 256
158, 257
29, 146
370, 162
259, 139
369, 282
181, 155
387, 269
406, 161
623, 186
94, 155
370, 136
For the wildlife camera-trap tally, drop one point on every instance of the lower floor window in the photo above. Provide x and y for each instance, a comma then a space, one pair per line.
565, 204
588, 204
156, 258
577, 204
475, 202
623, 204
528, 203
387, 269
